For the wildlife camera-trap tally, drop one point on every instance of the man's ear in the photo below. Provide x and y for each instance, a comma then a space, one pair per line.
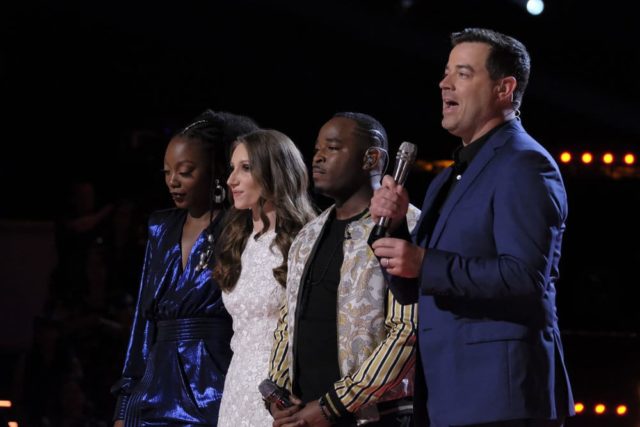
371, 158
505, 88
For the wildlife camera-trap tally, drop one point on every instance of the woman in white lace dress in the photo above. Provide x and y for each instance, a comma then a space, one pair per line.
268, 184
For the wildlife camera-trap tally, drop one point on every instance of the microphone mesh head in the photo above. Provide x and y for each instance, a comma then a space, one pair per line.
408, 151
266, 388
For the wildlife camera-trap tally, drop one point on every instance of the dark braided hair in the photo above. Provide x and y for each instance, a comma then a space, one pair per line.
369, 130
371, 134
215, 131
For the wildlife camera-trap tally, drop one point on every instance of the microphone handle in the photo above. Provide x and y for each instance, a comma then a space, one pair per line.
380, 229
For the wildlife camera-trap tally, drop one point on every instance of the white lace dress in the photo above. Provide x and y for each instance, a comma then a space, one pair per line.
254, 305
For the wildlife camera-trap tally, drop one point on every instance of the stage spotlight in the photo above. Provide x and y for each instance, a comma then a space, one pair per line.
535, 7
629, 159
587, 158
579, 407
607, 158
565, 157
621, 409
600, 409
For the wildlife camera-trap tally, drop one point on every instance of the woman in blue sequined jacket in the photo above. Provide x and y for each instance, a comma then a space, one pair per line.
178, 352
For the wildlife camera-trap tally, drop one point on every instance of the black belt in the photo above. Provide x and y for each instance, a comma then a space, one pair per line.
193, 329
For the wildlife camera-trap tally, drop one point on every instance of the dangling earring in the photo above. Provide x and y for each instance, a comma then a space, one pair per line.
219, 193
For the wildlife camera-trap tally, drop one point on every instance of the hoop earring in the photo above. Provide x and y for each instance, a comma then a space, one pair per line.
219, 193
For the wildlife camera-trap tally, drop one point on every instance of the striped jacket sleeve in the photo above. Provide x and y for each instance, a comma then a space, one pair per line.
279, 362
387, 365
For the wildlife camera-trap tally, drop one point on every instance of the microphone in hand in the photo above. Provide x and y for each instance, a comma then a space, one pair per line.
273, 393
404, 161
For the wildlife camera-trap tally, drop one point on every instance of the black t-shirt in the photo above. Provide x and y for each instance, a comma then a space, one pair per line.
316, 343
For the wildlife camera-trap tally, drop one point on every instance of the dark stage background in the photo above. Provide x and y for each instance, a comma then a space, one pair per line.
92, 91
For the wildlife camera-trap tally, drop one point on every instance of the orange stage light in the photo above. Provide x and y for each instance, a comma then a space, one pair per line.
587, 158
5, 404
579, 407
621, 410
607, 159
600, 409
565, 157
629, 159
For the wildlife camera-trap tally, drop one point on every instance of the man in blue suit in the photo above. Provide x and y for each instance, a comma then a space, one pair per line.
483, 260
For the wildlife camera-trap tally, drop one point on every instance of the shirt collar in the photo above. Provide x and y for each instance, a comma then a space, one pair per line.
464, 154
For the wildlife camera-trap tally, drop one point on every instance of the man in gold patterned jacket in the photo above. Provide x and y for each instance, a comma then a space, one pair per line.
344, 346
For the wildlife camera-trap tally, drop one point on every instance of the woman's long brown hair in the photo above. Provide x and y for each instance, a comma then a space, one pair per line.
278, 167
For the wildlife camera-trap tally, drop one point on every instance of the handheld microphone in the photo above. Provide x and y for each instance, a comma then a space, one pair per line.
273, 393
404, 161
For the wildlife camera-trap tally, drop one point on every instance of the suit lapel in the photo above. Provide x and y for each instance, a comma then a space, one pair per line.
477, 166
427, 205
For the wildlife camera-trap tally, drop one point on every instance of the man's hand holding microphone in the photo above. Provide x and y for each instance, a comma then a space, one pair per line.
388, 209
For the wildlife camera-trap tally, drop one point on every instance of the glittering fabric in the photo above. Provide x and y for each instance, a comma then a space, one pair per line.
254, 304
179, 349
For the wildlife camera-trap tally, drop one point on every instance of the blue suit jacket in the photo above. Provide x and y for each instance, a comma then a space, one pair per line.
488, 336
